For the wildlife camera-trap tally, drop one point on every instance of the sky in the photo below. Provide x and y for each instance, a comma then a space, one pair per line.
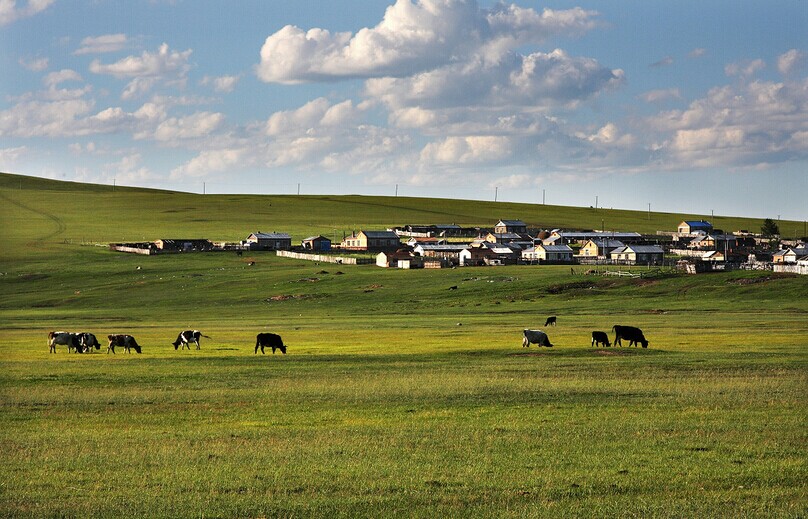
689, 106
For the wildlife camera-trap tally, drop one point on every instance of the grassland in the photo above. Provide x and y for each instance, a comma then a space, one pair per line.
398, 397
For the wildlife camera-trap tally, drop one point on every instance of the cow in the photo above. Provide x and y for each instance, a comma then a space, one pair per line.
127, 341
272, 340
630, 333
71, 340
599, 338
537, 337
550, 320
185, 338
88, 341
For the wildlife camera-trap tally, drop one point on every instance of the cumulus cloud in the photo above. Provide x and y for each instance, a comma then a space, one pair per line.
147, 70
539, 80
102, 44
661, 95
55, 78
412, 37
791, 62
467, 150
193, 126
10, 11
210, 161
34, 64
756, 122
745, 69
221, 84
316, 113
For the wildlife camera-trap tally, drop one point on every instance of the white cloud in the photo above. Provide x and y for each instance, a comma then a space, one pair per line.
698, 52
193, 126
222, 84
661, 95
102, 44
53, 79
536, 81
34, 64
412, 37
147, 70
11, 12
467, 150
791, 62
10, 156
209, 161
745, 69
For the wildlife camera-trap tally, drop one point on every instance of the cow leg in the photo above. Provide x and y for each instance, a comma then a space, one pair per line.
111, 348
197, 345
256, 349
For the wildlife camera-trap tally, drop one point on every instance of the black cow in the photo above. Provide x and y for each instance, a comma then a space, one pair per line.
550, 320
631, 334
537, 337
272, 340
126, 341
599, 338
88, 341
185, 338
71, 340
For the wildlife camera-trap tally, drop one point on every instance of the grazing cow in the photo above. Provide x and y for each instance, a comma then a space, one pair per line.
71, 340
185, 338
550, 320
88, 341
537, 337
127, 341
272, 340
631, 334
599, 338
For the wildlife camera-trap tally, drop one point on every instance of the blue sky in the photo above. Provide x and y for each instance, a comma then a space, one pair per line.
690, 106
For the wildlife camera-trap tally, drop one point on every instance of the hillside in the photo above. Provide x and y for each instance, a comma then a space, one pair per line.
39, 212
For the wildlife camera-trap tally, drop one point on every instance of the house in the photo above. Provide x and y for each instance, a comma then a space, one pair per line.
183, 245
476, 256
398, 259
692, 226
558, 237
714, 255
508, 226
548, 253
789, 255
714, 242
521, 239
372, 241
638, 255
317, 243
449, 253
415, 241
269, 241
600, 248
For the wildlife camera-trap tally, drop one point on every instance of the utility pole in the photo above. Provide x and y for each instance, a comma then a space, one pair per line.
113, 185
542, 197
396, 189
298, 189
204, 189
596, 201
649, 210
496, 191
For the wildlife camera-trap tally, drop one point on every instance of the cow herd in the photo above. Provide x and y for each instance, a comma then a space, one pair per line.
84, 342
633, 335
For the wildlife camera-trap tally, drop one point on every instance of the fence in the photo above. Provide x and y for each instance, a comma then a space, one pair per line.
341, 260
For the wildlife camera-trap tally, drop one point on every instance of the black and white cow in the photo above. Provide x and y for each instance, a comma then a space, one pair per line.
71, 340
550, 321
599, 338
186, 337
537, 337
126, 341
272, 340
629, 333
88, 341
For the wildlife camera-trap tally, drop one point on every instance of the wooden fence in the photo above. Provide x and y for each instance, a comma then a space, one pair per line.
340, 260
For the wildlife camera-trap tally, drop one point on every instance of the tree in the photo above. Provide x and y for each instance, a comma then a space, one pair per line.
769, 228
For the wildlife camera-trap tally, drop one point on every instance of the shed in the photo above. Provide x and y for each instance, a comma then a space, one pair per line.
317, 243
269, 241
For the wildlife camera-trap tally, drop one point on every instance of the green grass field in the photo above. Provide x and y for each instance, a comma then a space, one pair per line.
399, 397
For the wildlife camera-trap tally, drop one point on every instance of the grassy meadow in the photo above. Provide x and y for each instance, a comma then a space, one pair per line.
399, 397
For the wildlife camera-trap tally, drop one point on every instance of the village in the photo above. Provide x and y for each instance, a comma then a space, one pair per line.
693, 247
